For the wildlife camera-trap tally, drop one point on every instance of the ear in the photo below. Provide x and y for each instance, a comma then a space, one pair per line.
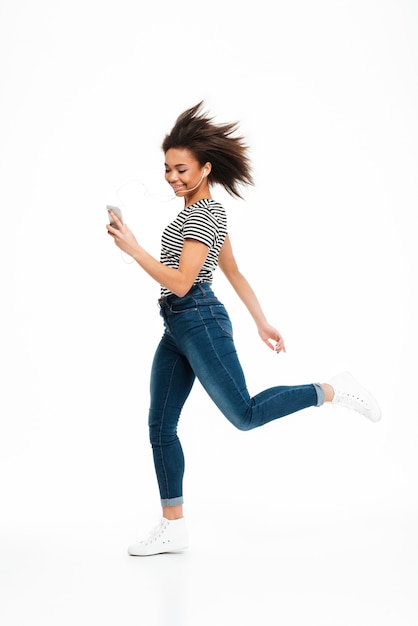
207, 168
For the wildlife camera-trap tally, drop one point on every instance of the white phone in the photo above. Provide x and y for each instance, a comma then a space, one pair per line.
116, 210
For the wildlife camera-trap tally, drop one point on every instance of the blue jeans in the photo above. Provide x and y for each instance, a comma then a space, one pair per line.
198, 342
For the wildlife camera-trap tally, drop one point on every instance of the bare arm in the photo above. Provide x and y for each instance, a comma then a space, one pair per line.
229, 267
180, 280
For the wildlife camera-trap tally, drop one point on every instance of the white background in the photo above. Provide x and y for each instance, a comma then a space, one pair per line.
310, 520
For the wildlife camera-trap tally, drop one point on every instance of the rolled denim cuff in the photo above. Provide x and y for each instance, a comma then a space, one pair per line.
320, 394
172, 501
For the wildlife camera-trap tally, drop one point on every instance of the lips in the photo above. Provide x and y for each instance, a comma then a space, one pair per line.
177, 188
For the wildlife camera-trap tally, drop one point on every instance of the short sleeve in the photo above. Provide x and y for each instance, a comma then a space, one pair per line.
202, 226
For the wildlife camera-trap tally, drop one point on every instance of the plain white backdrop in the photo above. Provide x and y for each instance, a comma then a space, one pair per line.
312, 519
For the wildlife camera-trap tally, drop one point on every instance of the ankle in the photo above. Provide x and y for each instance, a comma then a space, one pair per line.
173, 512
328, 391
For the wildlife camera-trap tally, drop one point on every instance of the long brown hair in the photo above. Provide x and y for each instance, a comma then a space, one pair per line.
215, 143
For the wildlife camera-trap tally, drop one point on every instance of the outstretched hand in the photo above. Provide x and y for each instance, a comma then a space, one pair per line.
122, 235
271, 337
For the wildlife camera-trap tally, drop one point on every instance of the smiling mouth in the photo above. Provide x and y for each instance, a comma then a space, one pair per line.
177, 188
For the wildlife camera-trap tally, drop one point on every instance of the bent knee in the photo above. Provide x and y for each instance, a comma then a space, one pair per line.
240, 422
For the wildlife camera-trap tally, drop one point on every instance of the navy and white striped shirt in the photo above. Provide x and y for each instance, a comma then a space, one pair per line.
204, 221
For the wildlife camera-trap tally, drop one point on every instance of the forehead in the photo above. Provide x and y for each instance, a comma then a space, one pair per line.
179, 156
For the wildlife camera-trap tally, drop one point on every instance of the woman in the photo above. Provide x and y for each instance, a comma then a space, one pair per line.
197, 340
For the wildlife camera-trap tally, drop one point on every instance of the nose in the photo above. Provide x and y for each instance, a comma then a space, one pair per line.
171, 176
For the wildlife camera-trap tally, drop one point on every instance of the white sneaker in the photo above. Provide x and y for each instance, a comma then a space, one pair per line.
167, 536
350, 394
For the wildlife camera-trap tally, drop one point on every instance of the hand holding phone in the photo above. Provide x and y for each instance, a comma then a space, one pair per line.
116, 210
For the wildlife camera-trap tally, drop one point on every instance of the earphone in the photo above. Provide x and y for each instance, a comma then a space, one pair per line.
159, 197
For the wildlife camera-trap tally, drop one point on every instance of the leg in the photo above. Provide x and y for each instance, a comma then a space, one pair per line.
211, 352
217, 366
173, 512
171, 382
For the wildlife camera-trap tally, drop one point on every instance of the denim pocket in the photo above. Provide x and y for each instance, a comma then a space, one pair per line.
183, 305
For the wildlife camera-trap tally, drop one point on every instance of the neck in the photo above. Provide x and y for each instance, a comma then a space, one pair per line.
200, 194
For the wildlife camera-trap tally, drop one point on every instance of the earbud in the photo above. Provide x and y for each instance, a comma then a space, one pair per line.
204, 172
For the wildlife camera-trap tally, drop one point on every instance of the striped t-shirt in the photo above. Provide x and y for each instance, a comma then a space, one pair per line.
203, 221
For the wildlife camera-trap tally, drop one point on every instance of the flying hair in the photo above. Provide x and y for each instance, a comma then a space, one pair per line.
227, 152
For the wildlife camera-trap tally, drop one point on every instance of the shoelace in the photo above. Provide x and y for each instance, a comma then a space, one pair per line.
354, 401
156, 532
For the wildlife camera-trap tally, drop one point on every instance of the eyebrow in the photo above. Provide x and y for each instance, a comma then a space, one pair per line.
177, 165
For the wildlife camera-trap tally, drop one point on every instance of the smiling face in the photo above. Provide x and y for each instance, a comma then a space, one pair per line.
185, 175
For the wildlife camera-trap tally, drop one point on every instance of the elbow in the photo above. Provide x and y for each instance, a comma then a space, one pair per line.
182, 290
180, 293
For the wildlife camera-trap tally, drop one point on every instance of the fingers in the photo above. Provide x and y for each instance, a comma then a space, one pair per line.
280, 347
275, 344
115, 220
112, 231
116, 227
122, 236
273, 339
